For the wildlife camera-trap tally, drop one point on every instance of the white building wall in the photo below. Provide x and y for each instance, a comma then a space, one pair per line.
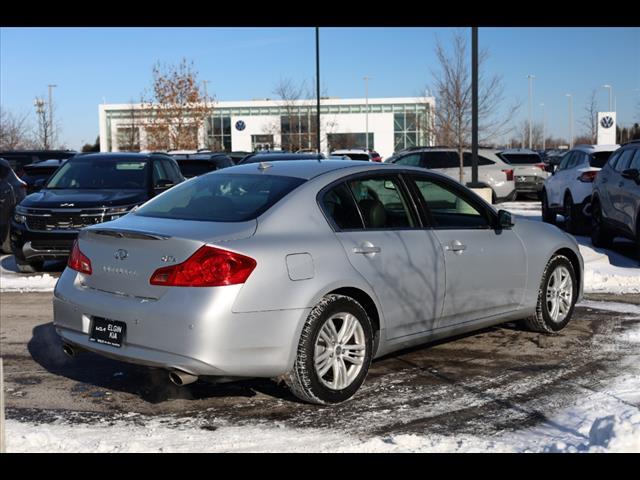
380, 124
254, 125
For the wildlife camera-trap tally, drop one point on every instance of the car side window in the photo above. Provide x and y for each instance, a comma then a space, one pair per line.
578, 159
625, 159
339, 205
381, 202
565, 161
436, 160
413, 160
159, 172
482, 161
635, 163
448, 206
613, 159
173, 171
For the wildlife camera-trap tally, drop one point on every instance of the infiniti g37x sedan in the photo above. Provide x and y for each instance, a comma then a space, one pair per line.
306, 271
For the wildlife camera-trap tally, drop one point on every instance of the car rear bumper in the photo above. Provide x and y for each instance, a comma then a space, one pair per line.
188, 329
529, 183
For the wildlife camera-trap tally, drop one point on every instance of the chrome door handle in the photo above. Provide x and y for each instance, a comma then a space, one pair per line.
456, 247
367, 249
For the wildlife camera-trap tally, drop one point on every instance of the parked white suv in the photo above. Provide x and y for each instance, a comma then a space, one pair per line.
568, 191
354, 154
529, 171
494, 172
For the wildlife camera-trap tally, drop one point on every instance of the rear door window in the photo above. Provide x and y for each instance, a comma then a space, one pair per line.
440, 160
635, 163
625, 160
381, 202
482, 161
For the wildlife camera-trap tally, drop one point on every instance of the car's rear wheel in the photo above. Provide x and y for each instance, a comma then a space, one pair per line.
548, 216
556, 297
334, 352
600, 234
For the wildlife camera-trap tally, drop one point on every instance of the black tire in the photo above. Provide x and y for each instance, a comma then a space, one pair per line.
25, 266
572, 215
600, 235
548, 216
541, 321
303, 379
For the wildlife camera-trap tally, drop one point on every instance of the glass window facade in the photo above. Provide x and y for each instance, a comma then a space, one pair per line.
128, 139
298, 130
219, 133
410, 129
341, 141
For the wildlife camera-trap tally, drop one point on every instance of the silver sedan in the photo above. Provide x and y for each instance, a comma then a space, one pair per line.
306, 271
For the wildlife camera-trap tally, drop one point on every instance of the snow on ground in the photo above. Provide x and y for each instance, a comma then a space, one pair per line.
605, 271
606, 420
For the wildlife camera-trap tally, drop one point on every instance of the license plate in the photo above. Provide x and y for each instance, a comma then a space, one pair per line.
107, 332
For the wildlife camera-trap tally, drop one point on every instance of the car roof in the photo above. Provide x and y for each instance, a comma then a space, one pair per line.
350, 150
272, 157
519, 151
303, 168
140, 157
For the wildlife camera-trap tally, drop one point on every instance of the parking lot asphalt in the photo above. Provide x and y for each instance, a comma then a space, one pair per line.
482, 383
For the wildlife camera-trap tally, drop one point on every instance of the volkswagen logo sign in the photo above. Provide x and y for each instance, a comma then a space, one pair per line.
606, 122
240, 125
121, 254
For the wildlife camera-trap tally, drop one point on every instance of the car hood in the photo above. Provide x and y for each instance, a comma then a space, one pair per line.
83, 198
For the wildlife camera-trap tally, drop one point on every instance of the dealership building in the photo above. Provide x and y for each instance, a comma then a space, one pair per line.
392, 124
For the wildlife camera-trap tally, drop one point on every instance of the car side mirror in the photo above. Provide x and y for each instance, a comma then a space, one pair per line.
632, 174
505, 220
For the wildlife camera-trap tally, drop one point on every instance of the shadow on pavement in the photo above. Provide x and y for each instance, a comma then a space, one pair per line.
151, 384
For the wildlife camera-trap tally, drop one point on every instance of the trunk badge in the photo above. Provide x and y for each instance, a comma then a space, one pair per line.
121, 254
168, 259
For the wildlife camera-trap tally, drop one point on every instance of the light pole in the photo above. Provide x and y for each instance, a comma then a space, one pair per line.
610, 88
544, 122
366, 113
51, 87
40, 110
530, 77
570, 119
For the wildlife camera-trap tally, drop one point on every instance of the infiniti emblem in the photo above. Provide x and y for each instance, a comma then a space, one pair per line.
121, 254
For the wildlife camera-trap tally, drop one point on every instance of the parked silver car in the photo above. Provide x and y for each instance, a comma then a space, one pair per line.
493, 172
530, 172
306, 271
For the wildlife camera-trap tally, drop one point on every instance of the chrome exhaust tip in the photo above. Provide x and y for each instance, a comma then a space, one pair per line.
70, 351
181, 378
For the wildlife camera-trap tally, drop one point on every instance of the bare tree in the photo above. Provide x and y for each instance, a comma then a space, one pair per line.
590, 118
15, 131
177, 108
521, 137
452, 89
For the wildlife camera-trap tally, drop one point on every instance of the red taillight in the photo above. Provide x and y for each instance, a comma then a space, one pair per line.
588, 177
78, 261
541, 166
509, 174
208, 267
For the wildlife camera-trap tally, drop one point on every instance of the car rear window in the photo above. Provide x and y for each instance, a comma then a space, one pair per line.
357, 156
599, 159
521, 159
221, 197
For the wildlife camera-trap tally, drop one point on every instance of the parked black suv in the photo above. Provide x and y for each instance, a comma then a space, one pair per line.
87, 189
19, 158
195, 164
36, 174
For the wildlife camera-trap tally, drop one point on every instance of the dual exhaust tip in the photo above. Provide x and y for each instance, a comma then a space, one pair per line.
177, 377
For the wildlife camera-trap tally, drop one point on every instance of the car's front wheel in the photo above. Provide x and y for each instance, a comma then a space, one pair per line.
600, 234
556, 297
334, 352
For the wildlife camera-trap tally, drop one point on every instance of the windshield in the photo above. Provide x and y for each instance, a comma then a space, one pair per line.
521, 159
90, 174
220, 197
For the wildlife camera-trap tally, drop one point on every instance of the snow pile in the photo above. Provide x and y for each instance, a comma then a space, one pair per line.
11, 280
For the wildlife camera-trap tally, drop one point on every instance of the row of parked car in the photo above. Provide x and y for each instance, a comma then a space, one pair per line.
596, 188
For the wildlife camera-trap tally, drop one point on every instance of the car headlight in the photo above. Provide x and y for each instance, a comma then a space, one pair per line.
117, 212
19, 215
